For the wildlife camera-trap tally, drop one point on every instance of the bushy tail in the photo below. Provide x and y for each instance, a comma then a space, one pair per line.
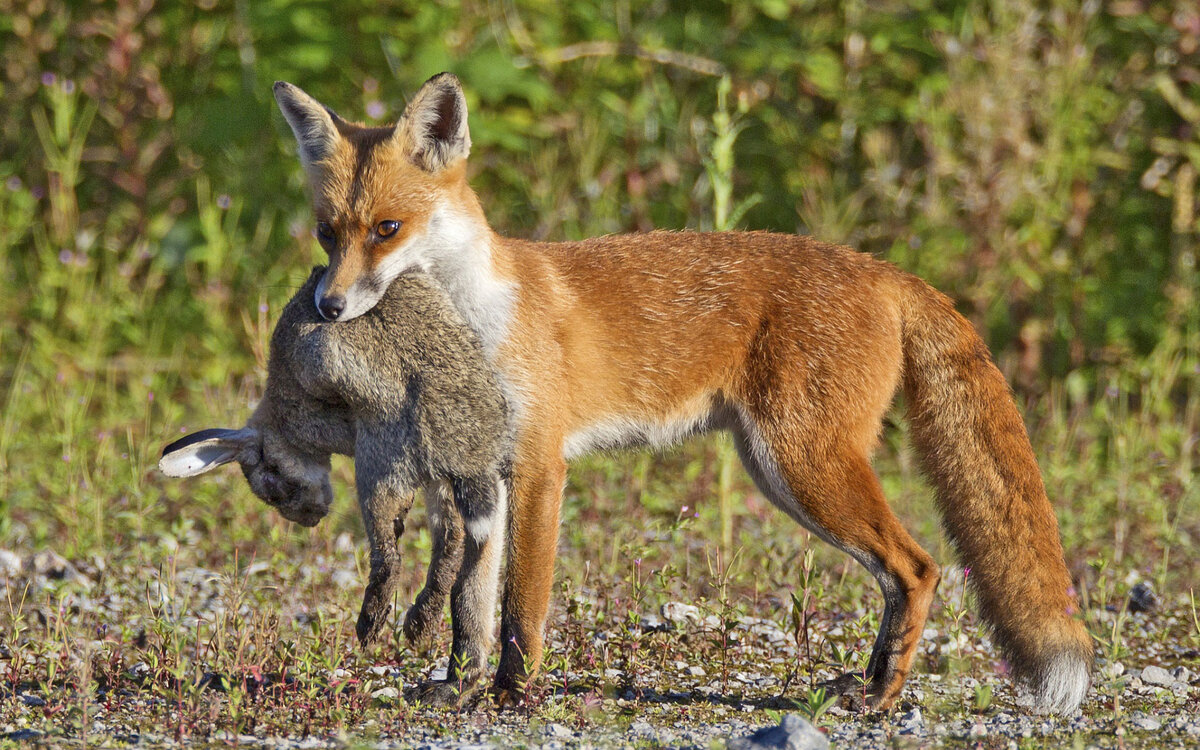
994, 507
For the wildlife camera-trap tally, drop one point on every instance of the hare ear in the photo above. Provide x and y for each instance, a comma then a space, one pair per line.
205, 450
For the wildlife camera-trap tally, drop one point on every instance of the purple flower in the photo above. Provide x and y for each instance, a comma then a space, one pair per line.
263, 308
13, 183
65, 256
375, 109
370, 85
224, 201
48, 78
68, 86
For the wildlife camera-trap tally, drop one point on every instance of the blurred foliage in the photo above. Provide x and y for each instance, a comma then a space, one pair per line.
1037, 160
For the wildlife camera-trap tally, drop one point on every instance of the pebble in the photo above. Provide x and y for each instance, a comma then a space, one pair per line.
559, 731
1154, 675
1148, 723
1142, 598
680, 613
911, 721
10, 564
643, 728
52, 565
793, 733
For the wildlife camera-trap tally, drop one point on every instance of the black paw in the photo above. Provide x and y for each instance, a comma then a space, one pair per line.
372, 622
422, 619
854, 691
456, 694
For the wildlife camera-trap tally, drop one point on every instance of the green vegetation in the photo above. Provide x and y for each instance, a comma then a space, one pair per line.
1038, 161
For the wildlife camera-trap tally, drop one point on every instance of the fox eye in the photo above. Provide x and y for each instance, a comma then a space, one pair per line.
324, 231
387, 228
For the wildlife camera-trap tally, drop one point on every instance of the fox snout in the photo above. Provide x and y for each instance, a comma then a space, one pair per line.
331, 306
346, 290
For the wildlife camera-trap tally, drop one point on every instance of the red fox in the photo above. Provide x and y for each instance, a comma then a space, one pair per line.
795, 346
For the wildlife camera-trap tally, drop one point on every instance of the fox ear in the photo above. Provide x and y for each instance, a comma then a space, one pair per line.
205, 450
314, 125
434, 125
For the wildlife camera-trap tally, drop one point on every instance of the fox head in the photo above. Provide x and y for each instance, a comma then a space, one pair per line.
386, 199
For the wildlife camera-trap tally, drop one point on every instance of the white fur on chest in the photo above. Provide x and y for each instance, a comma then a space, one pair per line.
461, 261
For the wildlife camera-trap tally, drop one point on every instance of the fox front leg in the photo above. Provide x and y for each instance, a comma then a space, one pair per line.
385, 495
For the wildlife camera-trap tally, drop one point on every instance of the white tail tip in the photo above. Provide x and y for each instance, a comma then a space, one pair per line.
1062, 687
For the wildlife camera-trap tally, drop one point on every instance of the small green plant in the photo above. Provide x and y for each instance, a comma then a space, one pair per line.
983, 697
816, 703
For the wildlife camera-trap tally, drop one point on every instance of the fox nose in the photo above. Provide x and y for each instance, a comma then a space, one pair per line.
331, 307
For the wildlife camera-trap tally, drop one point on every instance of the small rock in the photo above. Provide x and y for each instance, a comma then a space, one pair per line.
654, 624
1112, 670
1183, 674
643, 728
33, 700
1148, 723
978, 731
10, 564
793, 733
1142, 598
1153, 675
911, 721
53, 565
559, 731
344, 578
679, 613
696, 671
344, 544
386, 694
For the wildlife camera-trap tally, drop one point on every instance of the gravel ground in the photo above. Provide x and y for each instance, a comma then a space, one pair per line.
680, 675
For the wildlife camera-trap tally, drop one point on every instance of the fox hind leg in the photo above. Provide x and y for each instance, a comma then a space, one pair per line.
833, 492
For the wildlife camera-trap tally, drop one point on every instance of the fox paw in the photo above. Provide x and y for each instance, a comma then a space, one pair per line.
445, 694
854, 693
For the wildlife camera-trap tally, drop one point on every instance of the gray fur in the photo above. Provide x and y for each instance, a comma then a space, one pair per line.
406, 390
